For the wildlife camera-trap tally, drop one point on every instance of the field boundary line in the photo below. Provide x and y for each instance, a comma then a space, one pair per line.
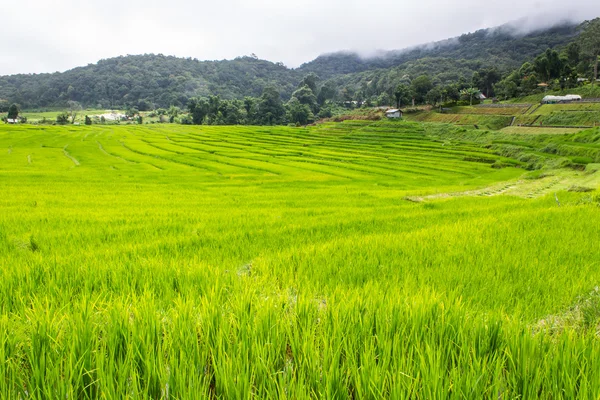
70, 157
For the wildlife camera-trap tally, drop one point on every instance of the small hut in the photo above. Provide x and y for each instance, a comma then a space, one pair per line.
393, 113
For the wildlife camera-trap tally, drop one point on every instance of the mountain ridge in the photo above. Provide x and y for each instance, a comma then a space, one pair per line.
150, 80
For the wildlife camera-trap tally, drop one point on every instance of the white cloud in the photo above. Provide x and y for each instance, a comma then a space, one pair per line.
55, 36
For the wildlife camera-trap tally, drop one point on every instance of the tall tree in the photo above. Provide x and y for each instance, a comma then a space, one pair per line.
590, 44
469, 93
421, 85
327, 92
401, 94
311, 81
13, 111
434, 96
306, 96
299, 113
198, 107
270, 107
489, 77
74, 109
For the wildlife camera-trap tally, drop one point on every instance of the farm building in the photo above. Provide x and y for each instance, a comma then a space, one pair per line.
480, 96
561, 99
12, 121
393, 113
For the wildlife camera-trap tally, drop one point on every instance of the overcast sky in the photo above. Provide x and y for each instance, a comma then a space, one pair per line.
47, 36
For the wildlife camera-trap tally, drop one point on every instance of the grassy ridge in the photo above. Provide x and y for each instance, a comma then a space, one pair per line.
256, 262
575, 115
480, 119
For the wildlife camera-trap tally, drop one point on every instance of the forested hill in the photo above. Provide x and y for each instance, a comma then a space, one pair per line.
147, 81
500, 47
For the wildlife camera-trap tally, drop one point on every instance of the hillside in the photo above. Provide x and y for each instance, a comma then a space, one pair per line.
500, 46
148, 81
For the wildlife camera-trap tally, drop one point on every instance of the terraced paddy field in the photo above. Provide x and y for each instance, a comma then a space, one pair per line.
268, 262
577, 116
535, 130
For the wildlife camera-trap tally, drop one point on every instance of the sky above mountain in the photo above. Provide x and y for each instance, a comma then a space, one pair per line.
42, 36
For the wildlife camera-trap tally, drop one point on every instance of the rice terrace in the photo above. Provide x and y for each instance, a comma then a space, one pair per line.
415, 217
273, 262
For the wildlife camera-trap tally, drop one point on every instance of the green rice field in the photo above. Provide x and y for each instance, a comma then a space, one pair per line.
198, 262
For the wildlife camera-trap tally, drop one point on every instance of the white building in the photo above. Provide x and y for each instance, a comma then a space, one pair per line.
12, 121
561, 99
393, 113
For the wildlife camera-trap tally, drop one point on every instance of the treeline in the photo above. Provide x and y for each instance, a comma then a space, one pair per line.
147, 82
252, 91
441, 80
502, 47
311, 100
575, 64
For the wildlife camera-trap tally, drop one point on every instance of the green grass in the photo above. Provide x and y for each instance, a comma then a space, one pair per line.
482, 120
584, 91
548, 109
539, 130
574, 115
269, 262
482, 110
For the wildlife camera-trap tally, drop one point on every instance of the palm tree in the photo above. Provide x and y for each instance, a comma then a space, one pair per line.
469, 92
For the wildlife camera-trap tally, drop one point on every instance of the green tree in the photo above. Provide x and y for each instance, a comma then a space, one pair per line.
327, 92
421, 85
451, 92
173, 112
469, 93
299, 113
488, 78
214, 105
132, 112
4, 105
62, 118
270, 107
326, 110
573, 54
13, 111
306, 96
198, 108
548, 65
402, 94
88, 120
311, 81
250, 108
434, 96
232, 112
590, 44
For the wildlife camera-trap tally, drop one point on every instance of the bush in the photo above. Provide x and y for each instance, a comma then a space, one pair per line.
62, 119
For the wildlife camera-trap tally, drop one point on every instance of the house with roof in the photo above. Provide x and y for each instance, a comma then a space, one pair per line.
393, 113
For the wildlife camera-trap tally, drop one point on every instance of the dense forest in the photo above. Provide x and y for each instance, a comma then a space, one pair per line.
501, 47
147, 82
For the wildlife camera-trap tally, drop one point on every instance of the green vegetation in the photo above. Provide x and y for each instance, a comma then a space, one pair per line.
547, 118
482, 120
173, 261
432, 72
